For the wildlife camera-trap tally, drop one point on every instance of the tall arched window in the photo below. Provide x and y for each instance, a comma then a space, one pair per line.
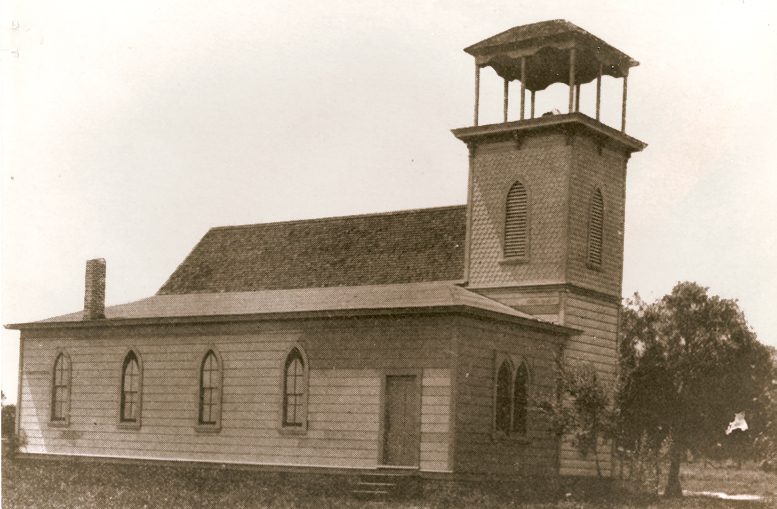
511, 397
503, 379
131, 390
516, 241
210, 391
60, 390
595, 229
520, 399
294, 390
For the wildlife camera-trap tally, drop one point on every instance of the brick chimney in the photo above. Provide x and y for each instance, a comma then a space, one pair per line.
94, 296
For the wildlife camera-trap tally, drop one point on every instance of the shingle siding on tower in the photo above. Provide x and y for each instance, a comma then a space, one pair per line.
606, 172
542, 164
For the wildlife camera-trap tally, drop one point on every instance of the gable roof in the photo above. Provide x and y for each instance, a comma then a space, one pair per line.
305, 302
410, 246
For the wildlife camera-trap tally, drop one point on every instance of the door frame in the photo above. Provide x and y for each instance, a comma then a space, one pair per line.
384, 374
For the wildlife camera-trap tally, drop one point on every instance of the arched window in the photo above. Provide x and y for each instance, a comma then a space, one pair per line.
595, 229
503, 379
210, 391
520, 399
131, 390
516, 241
294, 390
60, 390
511, 397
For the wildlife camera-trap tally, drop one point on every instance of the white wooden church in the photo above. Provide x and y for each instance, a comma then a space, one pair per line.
417, 340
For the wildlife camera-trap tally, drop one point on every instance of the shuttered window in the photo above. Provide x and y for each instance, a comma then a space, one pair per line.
516, 223
595, 229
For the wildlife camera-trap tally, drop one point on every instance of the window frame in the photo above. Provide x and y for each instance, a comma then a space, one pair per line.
67, 378
521, 258
121, 421
283, 426
217, 379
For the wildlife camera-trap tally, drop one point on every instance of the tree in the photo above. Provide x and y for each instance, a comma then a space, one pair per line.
8, 423
584, 409
764, 424
689, 363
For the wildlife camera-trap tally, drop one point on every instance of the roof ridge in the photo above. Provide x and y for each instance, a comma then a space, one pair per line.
334, 218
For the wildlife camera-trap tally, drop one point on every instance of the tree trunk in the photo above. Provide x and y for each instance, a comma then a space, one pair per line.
673, 488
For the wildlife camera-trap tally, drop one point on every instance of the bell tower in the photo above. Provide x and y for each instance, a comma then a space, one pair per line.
546, 195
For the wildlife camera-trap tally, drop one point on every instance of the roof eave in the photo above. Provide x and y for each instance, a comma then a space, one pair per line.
301, 315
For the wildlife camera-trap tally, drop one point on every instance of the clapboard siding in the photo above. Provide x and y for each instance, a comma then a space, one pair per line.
435, 419
596, 346
347, 359
572, 463
477, 449
598, 343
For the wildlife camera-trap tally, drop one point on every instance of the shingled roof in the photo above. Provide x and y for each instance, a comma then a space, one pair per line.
411, 246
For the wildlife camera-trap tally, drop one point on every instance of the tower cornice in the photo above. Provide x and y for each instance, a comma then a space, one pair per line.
569, 124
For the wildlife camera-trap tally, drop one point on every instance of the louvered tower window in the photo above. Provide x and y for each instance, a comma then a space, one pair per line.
595, 229
516, 223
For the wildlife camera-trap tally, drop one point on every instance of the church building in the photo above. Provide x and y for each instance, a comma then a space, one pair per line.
418, 341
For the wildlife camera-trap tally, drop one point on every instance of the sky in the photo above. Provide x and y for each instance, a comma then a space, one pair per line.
129, 129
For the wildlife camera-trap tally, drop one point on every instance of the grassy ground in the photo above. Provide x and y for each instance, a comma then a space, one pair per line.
50, 484
747, 480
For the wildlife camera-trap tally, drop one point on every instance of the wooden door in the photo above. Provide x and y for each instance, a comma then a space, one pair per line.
402, 421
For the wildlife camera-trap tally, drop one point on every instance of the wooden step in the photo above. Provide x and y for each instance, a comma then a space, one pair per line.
370, 493
384, 485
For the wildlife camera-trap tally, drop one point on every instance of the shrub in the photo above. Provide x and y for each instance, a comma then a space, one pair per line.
8, 420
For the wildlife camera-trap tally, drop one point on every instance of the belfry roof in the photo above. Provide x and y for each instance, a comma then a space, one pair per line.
546, 48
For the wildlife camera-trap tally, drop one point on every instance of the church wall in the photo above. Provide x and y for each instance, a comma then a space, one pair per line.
478, 450
347, 360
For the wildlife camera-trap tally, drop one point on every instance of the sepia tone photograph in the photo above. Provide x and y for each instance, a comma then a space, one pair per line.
356, 254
